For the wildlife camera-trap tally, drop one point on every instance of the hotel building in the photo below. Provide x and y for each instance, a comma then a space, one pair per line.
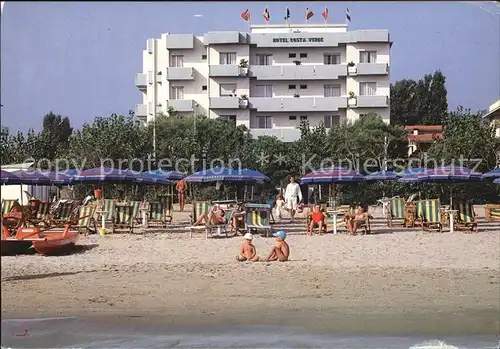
269, 79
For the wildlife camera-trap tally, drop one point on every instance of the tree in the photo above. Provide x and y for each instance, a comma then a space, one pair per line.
55, 135
419, 103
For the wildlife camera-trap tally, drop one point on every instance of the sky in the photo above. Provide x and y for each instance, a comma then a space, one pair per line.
79, 59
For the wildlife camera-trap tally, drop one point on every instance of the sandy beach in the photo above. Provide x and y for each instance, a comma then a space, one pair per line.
397, 279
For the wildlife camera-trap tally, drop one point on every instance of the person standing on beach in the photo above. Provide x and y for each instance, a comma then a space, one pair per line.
181, 187
280, 252
247, 250
293, 195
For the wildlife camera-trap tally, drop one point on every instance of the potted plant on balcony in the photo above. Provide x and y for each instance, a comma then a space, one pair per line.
351, 100
351, 68
244, 100
243, 66
296, 95
297, 62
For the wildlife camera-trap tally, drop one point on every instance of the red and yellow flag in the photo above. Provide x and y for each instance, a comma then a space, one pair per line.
246, 15
309, 14
267, 17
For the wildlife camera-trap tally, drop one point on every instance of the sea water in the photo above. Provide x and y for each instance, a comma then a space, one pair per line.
83, 333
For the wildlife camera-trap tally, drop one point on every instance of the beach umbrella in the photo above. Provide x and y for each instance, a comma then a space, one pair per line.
382, 176
33, 177
58, 178
222, 174
497, 181
170, 175
9, 178
149, 178
106, 174
492, 174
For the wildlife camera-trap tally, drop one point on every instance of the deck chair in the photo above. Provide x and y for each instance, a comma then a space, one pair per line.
199, 208
136, 211
109, 208
65, 213
156, 216
257, 218
466, 217
339, 218
309, 218
85, 220
429, 214
168, 203
492, 212
124, 218
396, 211
7, 205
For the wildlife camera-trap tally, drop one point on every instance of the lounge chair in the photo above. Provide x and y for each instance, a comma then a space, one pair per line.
124, 218
136, 211
108, 210
257, 218
466, 217
492, 212
85, 219
7, 205
169, 209
199, 208
157, 215
429, 215
65, 213
396, 211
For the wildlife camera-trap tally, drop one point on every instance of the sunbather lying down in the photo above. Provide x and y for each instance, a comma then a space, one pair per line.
215, 216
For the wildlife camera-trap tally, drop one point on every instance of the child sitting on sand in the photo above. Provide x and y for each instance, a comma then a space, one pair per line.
247, 250
281, 251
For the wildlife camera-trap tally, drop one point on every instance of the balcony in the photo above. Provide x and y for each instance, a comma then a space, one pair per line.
298, 72
371, 69
224, 102
221, 70
283, 134
225, 37
179, 41
371, 102
180, 73
141, 110
141, 80
292, 104
181, 105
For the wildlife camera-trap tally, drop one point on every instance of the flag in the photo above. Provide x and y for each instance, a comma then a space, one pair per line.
325, 14
309, 14
347, 15
266, 15
246, 15
287, 16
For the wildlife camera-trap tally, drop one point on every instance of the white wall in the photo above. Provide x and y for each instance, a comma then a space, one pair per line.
282, 120
315, 55
354, 114
314, 88
383, 51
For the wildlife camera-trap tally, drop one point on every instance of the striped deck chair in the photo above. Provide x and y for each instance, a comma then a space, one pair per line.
85, 219
466, 217
65, 213
124, 218
7, 205
43, 210
156, 215
396, 211
339, 218
199, 208
257, 218
492, 212
109, 208
168, 202
136, 211
429, 214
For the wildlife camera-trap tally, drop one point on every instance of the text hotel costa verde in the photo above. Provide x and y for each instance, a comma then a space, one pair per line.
297, 39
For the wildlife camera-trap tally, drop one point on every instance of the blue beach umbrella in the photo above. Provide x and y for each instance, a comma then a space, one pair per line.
332, 175
497, 181
106, 174
492, 174
382, 176
9, 178
170, 175
33, 177
222, 174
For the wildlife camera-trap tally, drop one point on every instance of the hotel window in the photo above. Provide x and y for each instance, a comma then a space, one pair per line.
227, 58
292, 55
292, 87
331, 120
263, 91
264, 121
368, 57
332, 91
303, 87
177, 92
303, 55
227, 90
332, 59
177, 61
231, 118
263, 59
367, 88
204, 88
303, 118
292, 117
203, 57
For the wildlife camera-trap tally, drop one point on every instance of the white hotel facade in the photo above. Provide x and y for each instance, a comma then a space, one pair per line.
269, 79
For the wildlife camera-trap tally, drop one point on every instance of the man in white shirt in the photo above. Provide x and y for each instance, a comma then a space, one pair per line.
293, 196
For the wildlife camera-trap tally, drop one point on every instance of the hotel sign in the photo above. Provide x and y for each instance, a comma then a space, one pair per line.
299, 40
